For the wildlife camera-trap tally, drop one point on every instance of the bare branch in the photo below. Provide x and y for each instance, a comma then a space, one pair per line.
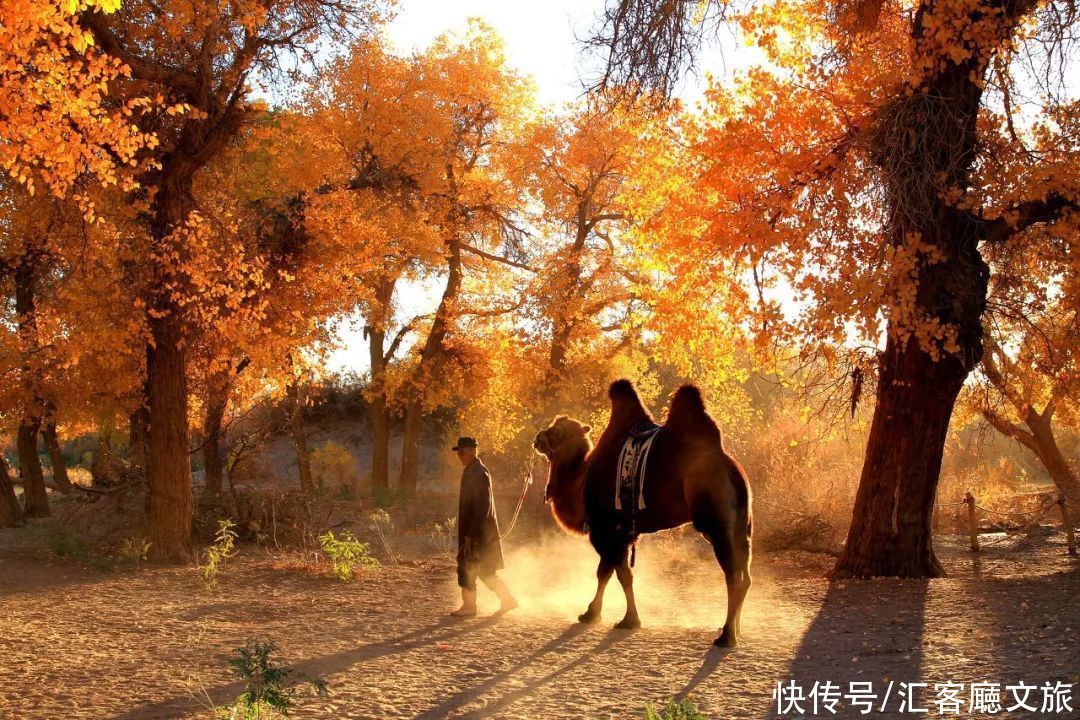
497, 258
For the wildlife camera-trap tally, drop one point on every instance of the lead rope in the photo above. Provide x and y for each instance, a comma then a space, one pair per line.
520, 502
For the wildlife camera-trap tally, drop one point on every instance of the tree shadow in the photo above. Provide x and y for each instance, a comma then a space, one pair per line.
864, 631
528, 687
316, 667
1031, 627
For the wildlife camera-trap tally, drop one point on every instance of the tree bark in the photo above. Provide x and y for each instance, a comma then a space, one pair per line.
411, 435
431, 359
35, 497
56, 457
168, 466
890, 532
379, 417
10, 512
1039, 437
295, 394
216, 403
1051, 457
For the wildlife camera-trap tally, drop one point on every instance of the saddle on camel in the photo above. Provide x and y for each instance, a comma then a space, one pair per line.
643, 478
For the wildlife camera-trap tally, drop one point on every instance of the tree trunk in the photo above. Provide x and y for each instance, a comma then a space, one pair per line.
168, 466
380, 441
410, 448
139, 431
35, 497
1050, 455
431, 360
10, 512
56, 458
890, 533
379, 414
216, 403
299, 435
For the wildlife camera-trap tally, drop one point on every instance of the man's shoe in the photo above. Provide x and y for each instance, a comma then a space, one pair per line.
508, 604
468, 604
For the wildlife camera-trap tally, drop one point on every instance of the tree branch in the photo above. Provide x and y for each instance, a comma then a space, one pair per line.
1023, 216
496, 258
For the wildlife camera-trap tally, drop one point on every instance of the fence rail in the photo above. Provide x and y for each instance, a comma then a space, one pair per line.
1032, 516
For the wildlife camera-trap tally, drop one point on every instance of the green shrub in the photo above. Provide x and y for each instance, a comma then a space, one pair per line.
346, 554
216, 555
65, 544
682, 710
270, 690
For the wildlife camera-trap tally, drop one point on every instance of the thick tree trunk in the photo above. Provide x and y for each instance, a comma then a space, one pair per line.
216, 403
890, 531
299, 435
168, 466
56, 457
925, 138
35, 497
10, 512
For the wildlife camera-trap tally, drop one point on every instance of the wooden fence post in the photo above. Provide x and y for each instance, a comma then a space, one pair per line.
1066, 518
973, 525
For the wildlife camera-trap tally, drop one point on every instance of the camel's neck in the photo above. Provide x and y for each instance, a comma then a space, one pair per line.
567, 484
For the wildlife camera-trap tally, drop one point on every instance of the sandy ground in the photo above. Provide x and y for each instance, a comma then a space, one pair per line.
80, 642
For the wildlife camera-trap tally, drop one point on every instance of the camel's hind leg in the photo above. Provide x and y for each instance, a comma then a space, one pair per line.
603, 574
736, 567
626, 579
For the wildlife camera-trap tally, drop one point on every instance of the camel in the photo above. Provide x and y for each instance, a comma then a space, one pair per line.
689, 478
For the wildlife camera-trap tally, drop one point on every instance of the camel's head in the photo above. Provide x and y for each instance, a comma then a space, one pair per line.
565, 439
563, 434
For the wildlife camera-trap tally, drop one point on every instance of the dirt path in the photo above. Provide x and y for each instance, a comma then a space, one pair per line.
131, 645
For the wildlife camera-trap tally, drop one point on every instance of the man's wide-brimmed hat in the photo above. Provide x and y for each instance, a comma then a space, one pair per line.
464, 442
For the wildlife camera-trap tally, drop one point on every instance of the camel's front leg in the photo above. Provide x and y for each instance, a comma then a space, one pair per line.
626, 579
603, 574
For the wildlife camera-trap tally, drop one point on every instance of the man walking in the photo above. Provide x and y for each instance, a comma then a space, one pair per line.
479, 550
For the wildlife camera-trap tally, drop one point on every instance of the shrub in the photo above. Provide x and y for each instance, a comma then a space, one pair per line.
270, 691
79, 476
682, 710
65, 544
334, 467
346, 554
135, 548
444, 536
381, 519
217, 554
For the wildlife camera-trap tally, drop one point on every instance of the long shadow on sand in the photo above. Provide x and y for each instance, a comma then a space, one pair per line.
866, 631
444, 629
712, 659
464, 697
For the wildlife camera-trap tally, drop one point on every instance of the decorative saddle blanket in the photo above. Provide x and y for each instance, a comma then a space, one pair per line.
630, 484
